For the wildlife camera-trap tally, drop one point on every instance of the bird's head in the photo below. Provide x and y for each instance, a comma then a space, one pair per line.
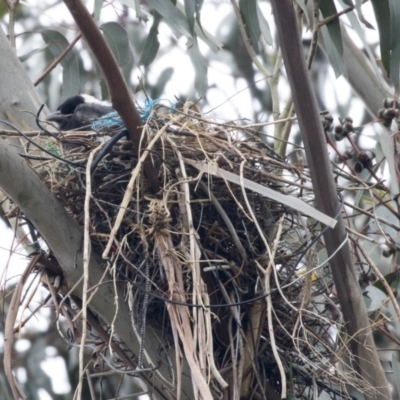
78, 112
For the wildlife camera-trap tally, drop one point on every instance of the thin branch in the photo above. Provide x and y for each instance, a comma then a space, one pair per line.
58, 59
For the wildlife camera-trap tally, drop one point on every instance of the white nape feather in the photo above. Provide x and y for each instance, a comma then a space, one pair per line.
90, 99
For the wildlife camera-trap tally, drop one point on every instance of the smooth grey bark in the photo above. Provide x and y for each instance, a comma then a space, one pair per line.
326, 197
61, 233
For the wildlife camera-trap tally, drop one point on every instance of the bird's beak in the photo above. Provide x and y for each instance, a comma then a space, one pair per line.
56, 116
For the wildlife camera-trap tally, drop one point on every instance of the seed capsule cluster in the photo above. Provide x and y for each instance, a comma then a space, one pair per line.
389, 112
343, 130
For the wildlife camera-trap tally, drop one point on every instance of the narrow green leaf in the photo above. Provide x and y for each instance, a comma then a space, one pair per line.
130, 3
392, 278
135, 4
291, 201
200, 68
388, 150
396, 371
374, 298
328, 8
152, 44
248, 9
31, 53
335, 58
198, 5
379, 156
394, 6
190, 10
324, 396
266, 32
383, 20
162, 80
57, 43
360, 32
98, 4
361, 15
349, 3
175, 19
213, 43
117, 38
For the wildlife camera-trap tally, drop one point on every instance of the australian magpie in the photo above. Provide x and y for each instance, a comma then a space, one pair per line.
78, 112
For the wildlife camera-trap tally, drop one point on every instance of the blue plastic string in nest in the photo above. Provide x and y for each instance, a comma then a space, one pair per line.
113, 120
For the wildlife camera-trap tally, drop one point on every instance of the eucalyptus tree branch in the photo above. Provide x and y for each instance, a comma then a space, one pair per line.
326, 198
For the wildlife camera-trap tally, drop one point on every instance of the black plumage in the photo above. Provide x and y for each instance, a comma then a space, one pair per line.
78, 112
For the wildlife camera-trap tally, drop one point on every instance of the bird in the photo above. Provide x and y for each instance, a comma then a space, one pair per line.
78, 112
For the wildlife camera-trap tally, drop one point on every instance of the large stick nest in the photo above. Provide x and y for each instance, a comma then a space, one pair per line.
215, 268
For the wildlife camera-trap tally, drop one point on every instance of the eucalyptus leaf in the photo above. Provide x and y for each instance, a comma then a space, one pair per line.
374, 298
324, 396
266, 32
393, 279
200, 68
117, 38
396, 371
328, 8
190, 10
360, 32
172, 16
31, 53
388, 150
335, 59
385, 214
130, 3
248, 9
152, 44
98, 4
162, 81
373, 250
379, 156
57, 43
212, 42
290, 201
361, 15
382, 15
198, 5
394, 6
136, 5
